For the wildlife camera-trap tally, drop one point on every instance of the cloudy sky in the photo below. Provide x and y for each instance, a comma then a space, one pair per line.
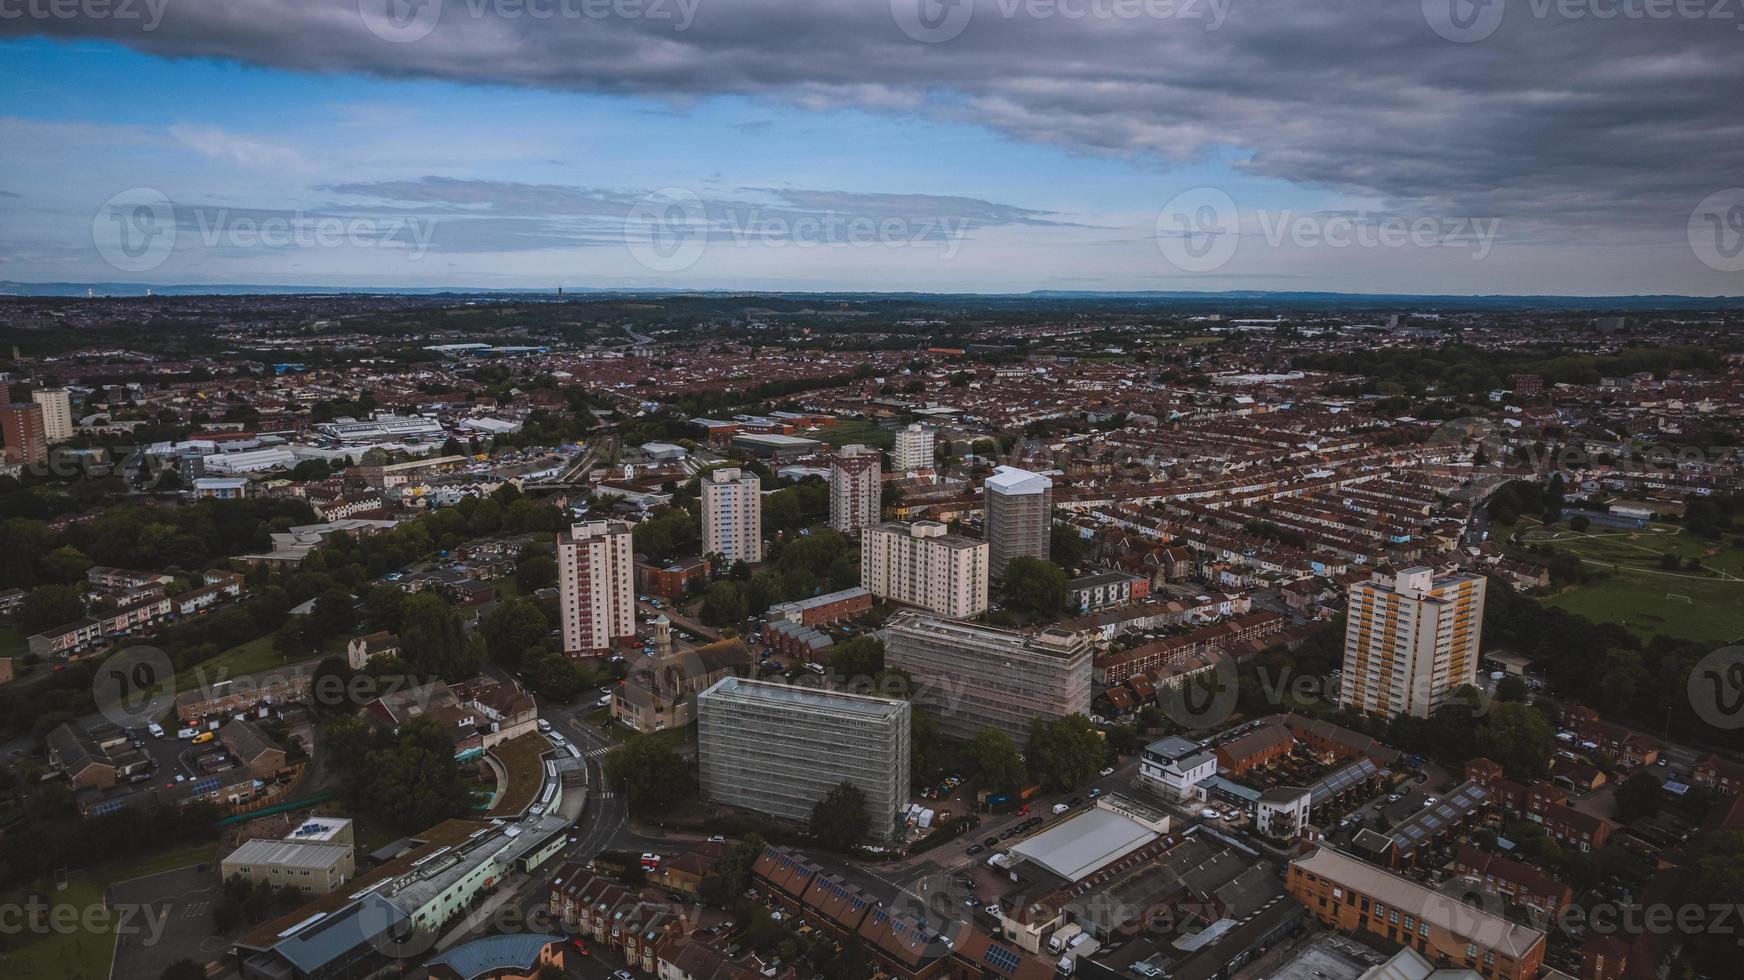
1425, 146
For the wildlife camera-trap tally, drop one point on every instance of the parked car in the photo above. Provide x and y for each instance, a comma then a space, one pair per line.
991, 842
203, 738
155, 729
976, 849
1106, 771
1060, 808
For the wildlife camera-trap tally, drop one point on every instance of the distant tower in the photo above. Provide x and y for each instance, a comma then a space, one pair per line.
855, 488
90, 293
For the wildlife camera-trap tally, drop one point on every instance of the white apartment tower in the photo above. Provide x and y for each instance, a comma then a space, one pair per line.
596, 579
732, 515
57, 413
918, 563
1019, 515
1411, 640
856, 488
914, 448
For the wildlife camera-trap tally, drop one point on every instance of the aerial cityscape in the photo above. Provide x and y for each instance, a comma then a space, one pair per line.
882, 490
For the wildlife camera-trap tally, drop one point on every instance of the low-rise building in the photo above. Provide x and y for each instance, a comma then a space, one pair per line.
1349, 894
1173, 767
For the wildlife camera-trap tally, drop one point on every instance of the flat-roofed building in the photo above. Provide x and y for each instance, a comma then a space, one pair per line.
914, 447
975, 677
1411, 639
921, 564
596, 584
780, 749
309, 866
856, 488
57, 413
1352, 895
732, 515
1019, 515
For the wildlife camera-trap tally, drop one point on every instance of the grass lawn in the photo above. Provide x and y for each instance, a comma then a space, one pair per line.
1713, 613
161, 861
847, 432
12, 642
83, 952
1705, 605
255, 655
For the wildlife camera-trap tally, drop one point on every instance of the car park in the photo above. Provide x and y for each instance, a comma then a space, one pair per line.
1210, 814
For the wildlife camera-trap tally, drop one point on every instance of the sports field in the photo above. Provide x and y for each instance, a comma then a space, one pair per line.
1636, 591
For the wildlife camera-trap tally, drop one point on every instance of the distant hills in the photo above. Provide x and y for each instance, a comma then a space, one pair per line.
1305, 300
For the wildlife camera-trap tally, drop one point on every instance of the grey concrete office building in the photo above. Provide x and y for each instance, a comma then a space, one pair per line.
1019, 510
779, 749
973, 677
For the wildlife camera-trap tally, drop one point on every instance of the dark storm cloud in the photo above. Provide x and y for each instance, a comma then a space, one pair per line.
1571, 127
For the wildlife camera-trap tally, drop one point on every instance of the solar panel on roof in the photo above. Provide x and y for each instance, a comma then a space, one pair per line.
1001, 959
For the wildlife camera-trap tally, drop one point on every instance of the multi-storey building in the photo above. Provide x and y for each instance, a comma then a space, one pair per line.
1019, 509
57, 413
21, 429
975, 677
1410, 641
1354, 896
780, 749
732, 515
914, 448
855, 488
920, 564
596, 580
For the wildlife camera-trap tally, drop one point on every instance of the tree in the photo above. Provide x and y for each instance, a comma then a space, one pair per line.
1063, 752
536, 572
840, 820
652, 776
994, 762
311, 469
860, 657
407, 779
1511, 688
513, 628
49, 605
1638, 797
1065, 546
552, 675
432, 640
1518, 737
65, 564
333, 614
724, 604
1034, 585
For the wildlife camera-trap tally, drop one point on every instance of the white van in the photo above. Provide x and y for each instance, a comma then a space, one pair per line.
155, 729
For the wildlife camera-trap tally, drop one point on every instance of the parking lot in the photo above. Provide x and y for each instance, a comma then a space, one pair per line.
172, 920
